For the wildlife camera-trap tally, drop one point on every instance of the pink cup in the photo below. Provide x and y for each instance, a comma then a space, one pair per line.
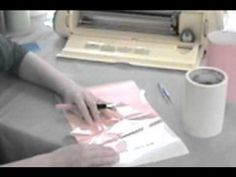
221, 54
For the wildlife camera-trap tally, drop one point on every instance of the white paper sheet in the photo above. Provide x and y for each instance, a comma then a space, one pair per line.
158, 143
152, 144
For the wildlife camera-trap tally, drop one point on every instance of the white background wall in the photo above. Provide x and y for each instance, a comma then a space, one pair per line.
230, 21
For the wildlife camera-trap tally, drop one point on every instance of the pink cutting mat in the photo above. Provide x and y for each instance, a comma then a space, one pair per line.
221, 54
125, 92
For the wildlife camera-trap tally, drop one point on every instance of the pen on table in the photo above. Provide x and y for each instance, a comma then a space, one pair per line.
165, 94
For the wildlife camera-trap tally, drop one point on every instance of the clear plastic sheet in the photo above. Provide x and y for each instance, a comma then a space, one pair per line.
110, 129
133, 130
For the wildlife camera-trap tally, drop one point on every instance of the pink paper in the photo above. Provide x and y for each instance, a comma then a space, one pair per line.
221, 54
124, 92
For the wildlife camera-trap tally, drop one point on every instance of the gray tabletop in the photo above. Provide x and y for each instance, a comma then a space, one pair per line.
29, 123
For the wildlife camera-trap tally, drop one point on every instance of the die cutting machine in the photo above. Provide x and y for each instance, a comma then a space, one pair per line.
149, 38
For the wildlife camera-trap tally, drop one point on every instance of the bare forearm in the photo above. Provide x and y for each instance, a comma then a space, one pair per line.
36, 70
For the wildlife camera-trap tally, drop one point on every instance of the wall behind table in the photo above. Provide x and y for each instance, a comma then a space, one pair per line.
2, 23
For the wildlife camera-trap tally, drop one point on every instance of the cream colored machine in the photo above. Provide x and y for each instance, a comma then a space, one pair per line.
158, 39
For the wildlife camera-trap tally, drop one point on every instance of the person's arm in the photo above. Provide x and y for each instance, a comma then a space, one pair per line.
30, 67
71, 156
36, 70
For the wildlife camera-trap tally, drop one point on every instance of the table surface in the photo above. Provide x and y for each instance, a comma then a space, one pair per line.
30, 124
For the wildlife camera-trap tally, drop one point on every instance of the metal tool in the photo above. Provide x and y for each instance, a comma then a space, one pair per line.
165, 94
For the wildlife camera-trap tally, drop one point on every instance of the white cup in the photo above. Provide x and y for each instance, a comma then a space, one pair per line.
204, 102
18, 21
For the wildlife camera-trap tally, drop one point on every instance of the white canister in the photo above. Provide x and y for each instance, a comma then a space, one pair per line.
204, 102
18, 21
221, 53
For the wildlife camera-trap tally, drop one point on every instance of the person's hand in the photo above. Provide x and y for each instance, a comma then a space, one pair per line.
84, 156
85, 102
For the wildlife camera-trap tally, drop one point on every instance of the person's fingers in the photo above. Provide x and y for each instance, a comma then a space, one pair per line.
110, 152
92, 96
84, 111
65, 106
102, 156
92, 106
105, 161
99, 101
93, 155
100, 149
76, 112
104, 114
111, 113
